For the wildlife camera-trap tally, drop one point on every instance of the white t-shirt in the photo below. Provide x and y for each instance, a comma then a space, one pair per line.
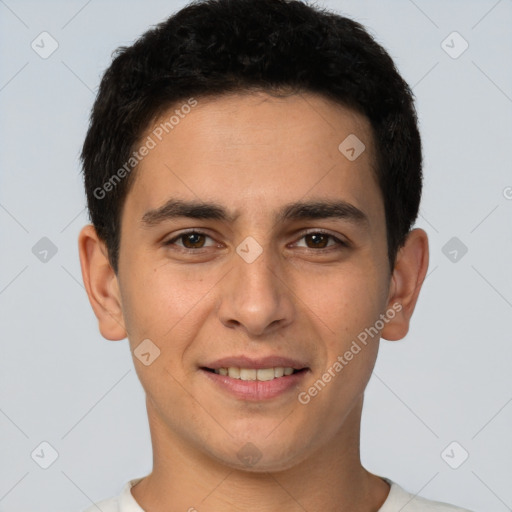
398, 500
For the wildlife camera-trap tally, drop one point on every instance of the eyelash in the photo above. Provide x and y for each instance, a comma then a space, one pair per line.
340, 243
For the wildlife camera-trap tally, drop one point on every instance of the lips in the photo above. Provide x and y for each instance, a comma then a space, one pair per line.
256, 363
255, 379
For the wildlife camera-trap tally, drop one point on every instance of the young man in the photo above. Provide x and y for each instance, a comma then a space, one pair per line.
253, 171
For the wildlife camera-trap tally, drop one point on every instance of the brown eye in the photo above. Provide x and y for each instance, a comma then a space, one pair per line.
318, 240
193, 240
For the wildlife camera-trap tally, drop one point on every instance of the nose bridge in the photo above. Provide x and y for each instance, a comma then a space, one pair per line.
254, 295
258, 278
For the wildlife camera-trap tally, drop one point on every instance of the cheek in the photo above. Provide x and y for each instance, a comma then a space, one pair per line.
350, 302
345, 300
164, 303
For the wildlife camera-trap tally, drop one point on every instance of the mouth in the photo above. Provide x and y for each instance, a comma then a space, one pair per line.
255, 374
261, 379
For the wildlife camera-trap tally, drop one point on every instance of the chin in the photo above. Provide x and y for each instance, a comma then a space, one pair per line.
262, 455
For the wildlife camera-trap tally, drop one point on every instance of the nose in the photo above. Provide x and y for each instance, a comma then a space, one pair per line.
256, 297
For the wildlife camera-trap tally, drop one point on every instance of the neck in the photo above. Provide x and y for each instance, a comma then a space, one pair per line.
332, 479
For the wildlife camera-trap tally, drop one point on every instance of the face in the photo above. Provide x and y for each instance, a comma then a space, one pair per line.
252, 245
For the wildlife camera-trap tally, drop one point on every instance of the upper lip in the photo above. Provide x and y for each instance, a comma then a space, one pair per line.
256, 363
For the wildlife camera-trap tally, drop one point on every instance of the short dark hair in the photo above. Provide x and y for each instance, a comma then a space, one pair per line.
216, 47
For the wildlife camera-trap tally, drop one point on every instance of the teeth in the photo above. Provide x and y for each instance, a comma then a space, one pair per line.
261, 374
247, 374
265, 374
234, 373
279, 371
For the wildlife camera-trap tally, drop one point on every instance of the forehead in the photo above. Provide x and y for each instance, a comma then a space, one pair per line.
252, 151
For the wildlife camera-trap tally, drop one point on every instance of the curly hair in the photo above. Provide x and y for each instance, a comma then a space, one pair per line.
216, 47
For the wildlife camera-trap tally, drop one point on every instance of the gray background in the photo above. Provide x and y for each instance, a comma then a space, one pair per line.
449, 380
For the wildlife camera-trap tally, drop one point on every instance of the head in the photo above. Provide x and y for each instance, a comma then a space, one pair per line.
214, 48
283, 140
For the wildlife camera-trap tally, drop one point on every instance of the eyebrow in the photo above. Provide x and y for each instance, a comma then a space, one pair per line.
299, 210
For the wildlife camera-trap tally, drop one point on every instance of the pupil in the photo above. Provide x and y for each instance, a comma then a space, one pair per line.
193, 239
318, 240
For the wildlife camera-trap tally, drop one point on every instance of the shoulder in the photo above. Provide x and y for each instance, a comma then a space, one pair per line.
124, 502
403, 501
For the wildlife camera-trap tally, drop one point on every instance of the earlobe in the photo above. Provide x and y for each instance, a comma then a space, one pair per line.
101, 284
408, 276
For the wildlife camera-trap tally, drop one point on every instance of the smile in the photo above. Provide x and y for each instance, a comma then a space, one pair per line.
261, 374
255, 384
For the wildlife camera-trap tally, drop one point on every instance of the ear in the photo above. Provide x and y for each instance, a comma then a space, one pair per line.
408, 275
101, 284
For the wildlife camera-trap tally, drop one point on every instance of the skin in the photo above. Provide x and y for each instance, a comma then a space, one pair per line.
252, 154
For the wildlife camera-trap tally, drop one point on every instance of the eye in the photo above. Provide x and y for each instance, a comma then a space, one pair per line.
320, 240
190, 240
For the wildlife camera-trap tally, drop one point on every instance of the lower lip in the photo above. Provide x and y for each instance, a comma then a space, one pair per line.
255, 389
